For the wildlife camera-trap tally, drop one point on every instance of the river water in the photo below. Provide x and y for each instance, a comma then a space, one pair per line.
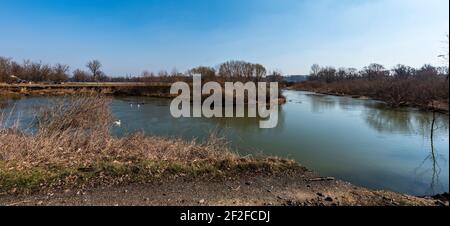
360, 141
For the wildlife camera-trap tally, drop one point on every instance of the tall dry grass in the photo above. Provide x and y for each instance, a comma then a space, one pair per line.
75, 132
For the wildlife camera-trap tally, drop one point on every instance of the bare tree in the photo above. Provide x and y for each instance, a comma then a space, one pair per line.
81, 76
260, 72
95, 68
241, 71
5, 69
277, 76
315, 69
207, 73
60, 73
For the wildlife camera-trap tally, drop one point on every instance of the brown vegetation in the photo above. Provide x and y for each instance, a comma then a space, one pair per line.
72, 153
37, 72
426, 87
73, 146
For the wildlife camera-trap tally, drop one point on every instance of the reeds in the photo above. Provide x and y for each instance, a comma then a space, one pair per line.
75, 131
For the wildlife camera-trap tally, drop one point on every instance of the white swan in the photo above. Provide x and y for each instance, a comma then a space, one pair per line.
118, 123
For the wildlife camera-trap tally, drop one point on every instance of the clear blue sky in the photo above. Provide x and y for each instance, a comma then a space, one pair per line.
129, 36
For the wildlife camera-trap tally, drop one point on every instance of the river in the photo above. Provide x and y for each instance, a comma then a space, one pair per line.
364, 142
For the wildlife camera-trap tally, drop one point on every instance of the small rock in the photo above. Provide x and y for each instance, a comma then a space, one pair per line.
320, 194
292, 203
329, 199
248, 183
40, 203
146, 199
202, 201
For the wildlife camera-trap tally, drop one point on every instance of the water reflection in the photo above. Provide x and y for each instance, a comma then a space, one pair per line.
154, 115
360, 141
400, 121
389, 121
434, 157
430, 167
250, 124
413, 122
320, 103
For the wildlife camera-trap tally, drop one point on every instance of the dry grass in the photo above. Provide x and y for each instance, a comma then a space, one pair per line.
74, 133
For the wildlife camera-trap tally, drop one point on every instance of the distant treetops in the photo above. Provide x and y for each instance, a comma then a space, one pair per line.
28, 71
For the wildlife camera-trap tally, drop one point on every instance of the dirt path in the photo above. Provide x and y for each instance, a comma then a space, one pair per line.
295, 189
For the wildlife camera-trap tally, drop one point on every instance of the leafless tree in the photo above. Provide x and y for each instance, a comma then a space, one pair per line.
276, 76
59, 73
5, 69
207, 73
402, 85
260, 72
81, 76
95, 67
315, 69
241, 71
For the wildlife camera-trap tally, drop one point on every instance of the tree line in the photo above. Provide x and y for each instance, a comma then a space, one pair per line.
401, 85
28, 71
376, 72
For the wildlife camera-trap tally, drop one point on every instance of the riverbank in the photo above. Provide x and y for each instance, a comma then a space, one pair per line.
242, 181
441, 106
249, 188
74, 160
155, 89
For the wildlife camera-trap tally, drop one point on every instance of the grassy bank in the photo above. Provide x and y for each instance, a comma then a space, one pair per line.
73, 147
156, 89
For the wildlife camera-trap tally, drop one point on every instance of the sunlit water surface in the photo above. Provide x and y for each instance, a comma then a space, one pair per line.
360, 141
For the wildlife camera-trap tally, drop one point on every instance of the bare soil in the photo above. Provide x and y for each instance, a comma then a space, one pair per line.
281, 189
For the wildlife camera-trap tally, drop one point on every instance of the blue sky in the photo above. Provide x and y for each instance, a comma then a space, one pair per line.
130, 36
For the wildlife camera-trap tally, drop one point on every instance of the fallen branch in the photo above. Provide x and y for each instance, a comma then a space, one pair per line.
322, 179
